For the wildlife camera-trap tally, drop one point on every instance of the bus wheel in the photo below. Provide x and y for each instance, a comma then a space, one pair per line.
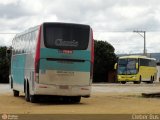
151, 81
123, 82
11, 83
27, 92
138, 82
76, 99
29, 97
15, 93
33, 99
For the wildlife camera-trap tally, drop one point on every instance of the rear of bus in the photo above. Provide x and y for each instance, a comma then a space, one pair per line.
64, 60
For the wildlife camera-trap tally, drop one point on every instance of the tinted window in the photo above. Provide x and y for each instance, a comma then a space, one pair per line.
127, 66
66, 36
147, 62
144, 62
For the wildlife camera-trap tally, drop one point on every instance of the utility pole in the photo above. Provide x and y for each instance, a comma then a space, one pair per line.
144, 36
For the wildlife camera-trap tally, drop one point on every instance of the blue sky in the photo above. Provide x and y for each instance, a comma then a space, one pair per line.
112, 20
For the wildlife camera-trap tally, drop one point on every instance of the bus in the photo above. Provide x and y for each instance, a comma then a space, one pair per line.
136, 69
53, 59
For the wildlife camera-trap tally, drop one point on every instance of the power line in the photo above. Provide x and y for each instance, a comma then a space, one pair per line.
123, 31
8, 33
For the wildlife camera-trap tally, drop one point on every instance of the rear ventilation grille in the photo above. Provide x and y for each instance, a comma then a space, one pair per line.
64, 60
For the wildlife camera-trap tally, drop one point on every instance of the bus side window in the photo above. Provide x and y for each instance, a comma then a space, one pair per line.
26, 43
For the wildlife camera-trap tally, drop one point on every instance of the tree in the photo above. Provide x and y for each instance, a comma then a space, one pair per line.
105, 59
4, 65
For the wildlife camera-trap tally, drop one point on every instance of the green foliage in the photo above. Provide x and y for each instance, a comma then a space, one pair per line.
105, 59
4, 65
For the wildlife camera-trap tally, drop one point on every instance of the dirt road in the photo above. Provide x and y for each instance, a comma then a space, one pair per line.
105, 99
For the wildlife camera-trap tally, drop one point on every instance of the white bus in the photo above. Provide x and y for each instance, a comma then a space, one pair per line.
54, 59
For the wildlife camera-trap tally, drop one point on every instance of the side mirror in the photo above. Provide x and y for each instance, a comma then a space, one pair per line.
9, 51
136, 65
115, 66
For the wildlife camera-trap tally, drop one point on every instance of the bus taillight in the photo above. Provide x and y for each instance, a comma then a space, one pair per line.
37, 54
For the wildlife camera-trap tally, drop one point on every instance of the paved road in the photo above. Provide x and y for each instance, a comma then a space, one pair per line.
110, 88
126, 88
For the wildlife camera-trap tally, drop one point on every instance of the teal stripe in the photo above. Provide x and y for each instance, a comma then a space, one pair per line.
17, 68
55, 65
77, 54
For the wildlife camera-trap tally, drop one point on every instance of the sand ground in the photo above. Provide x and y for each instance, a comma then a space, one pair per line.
105, 99
98, 103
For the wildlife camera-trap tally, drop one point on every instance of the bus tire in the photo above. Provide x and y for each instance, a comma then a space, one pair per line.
123, 82
27, 91
138, 82
33, 99
76, 99
15, 93
151, 81
29, 97
11, 83
140, 79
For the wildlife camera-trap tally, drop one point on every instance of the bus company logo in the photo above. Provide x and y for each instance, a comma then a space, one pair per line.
61, 42
4, 116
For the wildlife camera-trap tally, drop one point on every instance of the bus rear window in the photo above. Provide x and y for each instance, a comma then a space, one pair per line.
66, 36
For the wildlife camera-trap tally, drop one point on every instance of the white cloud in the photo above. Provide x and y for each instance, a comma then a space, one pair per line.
129, 12
5, 2
111, 20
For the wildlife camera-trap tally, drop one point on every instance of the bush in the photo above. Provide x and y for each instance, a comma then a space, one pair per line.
105, 59
4, 65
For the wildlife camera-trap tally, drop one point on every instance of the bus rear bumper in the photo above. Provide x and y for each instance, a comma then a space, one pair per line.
62, 90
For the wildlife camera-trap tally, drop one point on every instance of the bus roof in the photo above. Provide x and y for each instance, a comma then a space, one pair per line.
136, 56
37, 26
27, 31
